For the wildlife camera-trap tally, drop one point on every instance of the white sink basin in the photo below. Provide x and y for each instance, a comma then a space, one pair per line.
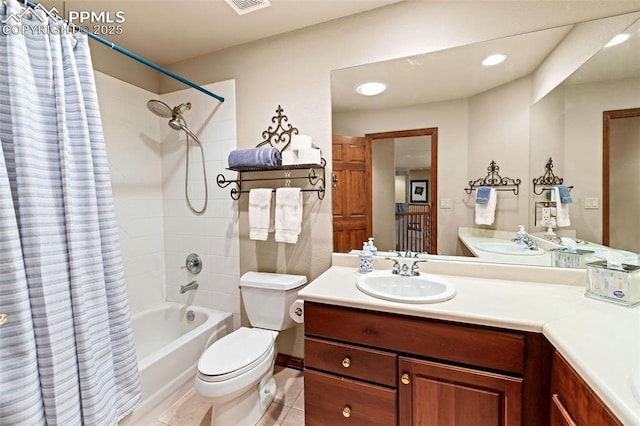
424, 288
507, 247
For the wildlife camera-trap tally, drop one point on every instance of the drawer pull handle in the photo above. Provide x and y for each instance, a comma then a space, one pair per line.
346, 362
3, 318
405, 379
346, 412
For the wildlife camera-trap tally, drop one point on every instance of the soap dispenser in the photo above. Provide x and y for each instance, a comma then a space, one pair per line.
373, 249
521, 232
366, 259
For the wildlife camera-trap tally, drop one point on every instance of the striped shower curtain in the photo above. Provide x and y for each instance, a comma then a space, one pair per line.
66, 351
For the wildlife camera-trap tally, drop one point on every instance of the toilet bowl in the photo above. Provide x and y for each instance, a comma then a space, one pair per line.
236, 372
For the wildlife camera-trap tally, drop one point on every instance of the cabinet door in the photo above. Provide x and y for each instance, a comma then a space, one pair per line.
576, 398
559, 414
444, 395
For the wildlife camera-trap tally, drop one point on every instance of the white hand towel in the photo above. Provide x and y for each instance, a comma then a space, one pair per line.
562, 210
486, 213
259, 213
288, 215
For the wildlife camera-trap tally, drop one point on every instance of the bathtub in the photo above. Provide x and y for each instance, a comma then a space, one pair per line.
168, 347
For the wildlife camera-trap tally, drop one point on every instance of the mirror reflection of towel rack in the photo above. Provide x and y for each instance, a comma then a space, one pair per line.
548, 180
494, 180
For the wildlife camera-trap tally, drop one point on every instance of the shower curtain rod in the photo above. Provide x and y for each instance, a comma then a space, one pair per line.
132, 55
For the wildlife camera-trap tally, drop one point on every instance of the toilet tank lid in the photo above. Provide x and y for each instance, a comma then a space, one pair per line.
272, 281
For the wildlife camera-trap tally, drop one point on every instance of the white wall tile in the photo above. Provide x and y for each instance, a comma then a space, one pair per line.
136, 176
214, 234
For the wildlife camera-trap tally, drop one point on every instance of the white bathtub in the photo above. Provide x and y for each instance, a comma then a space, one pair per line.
168, 347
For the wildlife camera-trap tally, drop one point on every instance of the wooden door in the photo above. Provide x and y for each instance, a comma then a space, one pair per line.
351, 192
434, 394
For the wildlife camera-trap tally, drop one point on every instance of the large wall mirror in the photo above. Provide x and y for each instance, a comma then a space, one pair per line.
546, 100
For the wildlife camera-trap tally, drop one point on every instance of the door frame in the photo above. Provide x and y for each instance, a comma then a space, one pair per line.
607, 116
429, 131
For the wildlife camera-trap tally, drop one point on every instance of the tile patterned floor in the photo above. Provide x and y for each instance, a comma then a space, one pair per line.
287, 408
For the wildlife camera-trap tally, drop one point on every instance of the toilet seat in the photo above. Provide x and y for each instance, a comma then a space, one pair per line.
235, 354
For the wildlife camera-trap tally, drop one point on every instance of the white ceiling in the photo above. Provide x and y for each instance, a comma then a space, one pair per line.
166, 32
454, 73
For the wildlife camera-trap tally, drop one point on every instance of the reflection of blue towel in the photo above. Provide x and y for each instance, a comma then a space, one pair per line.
255, 157
482, 195
565, 196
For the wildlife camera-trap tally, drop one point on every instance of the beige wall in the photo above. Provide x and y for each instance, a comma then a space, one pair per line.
624, 183
293, 70
581, 143
499, 131
383, 177
451, 119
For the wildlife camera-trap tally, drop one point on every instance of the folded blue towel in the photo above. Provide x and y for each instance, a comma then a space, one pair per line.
565, 196
255, 157
482, 194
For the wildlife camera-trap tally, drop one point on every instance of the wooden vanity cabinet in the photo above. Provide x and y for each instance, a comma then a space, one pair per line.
572, 400
398, 369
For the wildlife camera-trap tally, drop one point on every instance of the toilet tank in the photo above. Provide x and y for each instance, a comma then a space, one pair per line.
268, 296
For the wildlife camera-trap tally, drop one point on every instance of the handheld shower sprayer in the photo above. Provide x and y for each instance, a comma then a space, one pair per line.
177, 122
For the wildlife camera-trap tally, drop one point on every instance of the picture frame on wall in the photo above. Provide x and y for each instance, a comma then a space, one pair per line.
419, 191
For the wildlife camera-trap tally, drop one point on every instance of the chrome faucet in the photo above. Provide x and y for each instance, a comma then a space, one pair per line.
186, 287
403, 269
525, 240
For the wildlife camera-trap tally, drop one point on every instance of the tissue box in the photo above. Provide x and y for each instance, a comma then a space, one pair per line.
567, 258
289, 158
620, 286
309, 156
300, 142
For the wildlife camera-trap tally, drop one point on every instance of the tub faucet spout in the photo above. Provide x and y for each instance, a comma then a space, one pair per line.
186, 287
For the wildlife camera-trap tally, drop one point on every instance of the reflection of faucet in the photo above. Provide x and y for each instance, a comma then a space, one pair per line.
191, 286
408, 254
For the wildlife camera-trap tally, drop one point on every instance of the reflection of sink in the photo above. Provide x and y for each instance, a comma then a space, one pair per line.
599, 251
507, 247
424, 288
635, 385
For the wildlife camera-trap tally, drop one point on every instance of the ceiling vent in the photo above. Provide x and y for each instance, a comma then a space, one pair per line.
245, 6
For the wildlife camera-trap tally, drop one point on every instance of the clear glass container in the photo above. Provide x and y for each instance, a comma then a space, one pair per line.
567, 258
620, 286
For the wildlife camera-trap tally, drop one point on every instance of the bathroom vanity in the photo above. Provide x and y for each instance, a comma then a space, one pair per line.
483, 357
367, 366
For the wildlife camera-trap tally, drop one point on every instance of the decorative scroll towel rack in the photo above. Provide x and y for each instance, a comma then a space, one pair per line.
548, 180
493, 179
279, 138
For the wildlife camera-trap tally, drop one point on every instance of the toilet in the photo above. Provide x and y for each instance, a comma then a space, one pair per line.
236, 372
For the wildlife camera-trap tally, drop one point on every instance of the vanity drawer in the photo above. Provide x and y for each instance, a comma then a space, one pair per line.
353, 361
466, 344
331, 400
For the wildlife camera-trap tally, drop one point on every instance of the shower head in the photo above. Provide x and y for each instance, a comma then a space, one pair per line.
176, 123
160, 109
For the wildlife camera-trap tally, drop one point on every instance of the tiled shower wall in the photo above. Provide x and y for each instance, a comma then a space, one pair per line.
157, 230
214, 234
132, 137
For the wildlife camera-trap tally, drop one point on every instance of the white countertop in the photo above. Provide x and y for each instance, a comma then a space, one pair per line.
600, 340
470, 237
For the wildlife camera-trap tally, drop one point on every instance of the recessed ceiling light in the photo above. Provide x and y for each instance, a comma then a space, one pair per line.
493, 60
371, 88
620, 38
